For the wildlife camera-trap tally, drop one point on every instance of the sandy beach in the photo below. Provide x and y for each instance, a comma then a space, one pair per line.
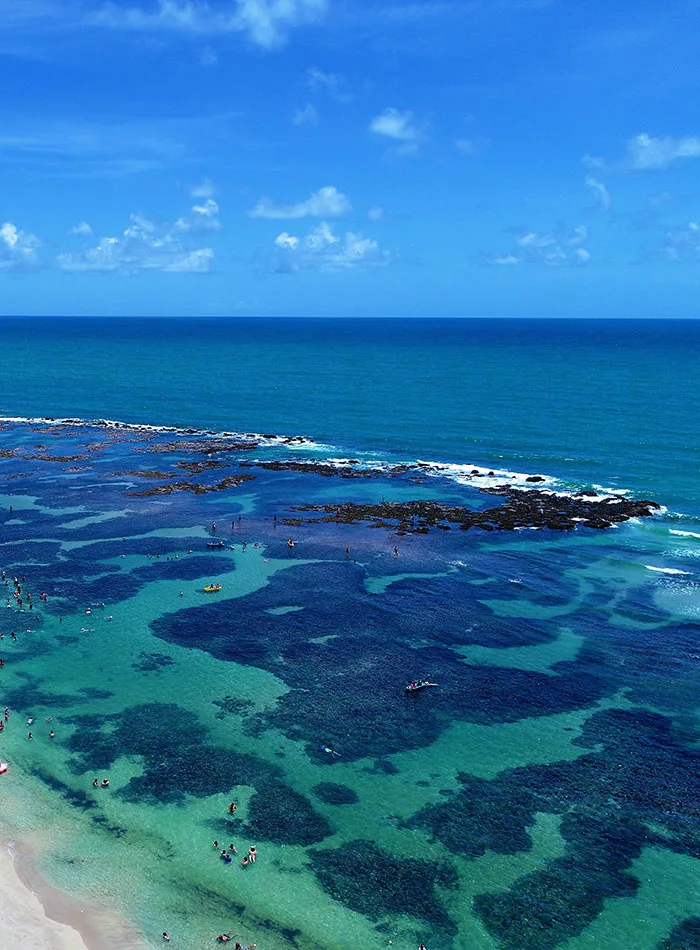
35, 914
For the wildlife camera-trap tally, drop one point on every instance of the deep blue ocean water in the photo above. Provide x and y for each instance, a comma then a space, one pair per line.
544, 795
612, 402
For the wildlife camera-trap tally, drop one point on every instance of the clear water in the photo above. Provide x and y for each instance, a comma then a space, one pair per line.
545, 795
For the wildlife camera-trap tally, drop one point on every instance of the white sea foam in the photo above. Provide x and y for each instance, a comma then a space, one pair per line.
291, 442
665, 570
477, 476
684, 534
607, 492
484, 477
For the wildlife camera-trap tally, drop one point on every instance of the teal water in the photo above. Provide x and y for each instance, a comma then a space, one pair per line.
614, 402
544, 795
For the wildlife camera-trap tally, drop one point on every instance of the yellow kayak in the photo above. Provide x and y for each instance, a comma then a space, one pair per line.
212, 588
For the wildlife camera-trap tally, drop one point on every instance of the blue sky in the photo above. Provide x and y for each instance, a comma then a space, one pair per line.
346, 157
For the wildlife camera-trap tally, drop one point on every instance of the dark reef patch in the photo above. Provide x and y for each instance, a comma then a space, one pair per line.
334, 794
232, 706
543, 910
75, 797
348, 692
177, 762
479, 818
608, 798
151, 662
91, 692
279, 814
685, 936
185, 568
375, 883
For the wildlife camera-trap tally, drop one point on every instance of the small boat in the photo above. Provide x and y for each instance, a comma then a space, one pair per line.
3, 767
417, 686
215, 544
212, 588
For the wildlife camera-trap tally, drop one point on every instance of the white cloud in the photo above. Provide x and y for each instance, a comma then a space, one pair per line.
601, 193
144, 246
327, 202
578, 236
395, 125
194, 262
376, 213
322, 250
82, 229
266, 22
202, 217
286, 241
205, 189
306, 116
646, 153
401, 128
17, 248
553, 248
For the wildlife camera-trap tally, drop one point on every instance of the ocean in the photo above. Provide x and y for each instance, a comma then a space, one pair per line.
381, 502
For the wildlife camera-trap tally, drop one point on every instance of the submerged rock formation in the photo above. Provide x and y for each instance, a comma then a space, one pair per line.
522, 508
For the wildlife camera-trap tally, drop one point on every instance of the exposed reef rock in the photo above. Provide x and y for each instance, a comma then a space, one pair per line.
328, 470
233, 481
202, 446
527, 508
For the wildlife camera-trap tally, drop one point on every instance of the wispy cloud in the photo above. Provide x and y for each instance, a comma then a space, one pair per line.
308, 115
202, 217
466, 146
267, 23
400, 127
88, 149
204, 189
682, 244
145, 246
208, 56
331, 84
327, 202
646, 153
82, 229
322, 250
553, 248
17, 248
600, 192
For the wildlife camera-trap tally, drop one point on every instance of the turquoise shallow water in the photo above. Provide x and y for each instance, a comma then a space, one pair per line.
544, 795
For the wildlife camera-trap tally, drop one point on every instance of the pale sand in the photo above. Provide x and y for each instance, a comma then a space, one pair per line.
35, 914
